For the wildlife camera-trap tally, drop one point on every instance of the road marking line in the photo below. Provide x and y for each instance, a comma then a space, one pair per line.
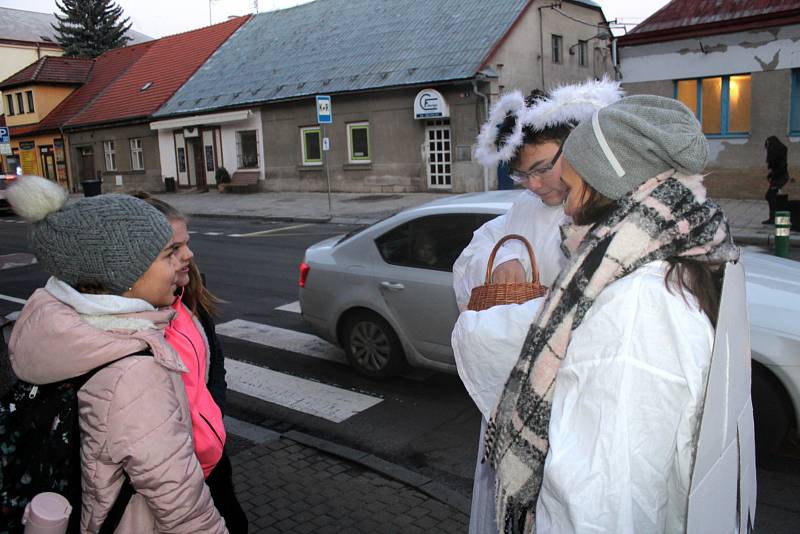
192, 232
306, 396
17, 259
293, 307
212, 233
13, 299
283, 339
272, 231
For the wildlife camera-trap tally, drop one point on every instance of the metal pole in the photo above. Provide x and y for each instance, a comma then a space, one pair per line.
783, 227
327, 172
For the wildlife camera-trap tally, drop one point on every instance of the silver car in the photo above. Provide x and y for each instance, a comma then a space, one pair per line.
385, 294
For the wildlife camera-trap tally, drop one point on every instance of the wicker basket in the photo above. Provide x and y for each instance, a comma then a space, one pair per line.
489, 294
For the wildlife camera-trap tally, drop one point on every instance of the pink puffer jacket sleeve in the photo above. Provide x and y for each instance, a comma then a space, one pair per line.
149, 435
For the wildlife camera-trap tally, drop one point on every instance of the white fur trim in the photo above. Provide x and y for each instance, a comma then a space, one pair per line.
33, 198
573, 103
487, 152
86, 304
112, 322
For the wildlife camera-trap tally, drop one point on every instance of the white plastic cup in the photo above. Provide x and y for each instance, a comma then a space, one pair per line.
47, 513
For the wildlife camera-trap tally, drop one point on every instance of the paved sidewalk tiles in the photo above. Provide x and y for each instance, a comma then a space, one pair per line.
287, 487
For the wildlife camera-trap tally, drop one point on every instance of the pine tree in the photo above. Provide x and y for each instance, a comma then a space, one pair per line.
87, 28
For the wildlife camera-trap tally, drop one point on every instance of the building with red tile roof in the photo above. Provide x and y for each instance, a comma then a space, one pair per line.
734, 63
51, 70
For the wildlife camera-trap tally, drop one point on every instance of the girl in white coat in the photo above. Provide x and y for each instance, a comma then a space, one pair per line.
595, 429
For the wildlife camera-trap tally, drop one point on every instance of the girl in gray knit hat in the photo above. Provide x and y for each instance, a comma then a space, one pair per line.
598, 423
114, 274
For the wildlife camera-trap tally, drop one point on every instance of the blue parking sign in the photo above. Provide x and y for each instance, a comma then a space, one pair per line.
4, 135
324, 110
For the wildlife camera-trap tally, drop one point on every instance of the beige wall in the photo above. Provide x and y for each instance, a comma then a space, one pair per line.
396, 143
518, 61
148, 179
737, 166
15, 57
45, 99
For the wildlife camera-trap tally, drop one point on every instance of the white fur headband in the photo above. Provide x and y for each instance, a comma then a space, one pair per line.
567, 104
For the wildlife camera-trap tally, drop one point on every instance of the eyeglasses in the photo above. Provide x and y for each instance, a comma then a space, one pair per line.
519, 176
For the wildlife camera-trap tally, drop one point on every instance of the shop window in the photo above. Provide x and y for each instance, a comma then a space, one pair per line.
358, 142
794, 107
29, 96
721, 103
10, 105
557, 47
583, 53
247, 149
137, 154
110, 155
20, 104
311, 139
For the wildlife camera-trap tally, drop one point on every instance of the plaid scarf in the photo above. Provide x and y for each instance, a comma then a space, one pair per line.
667, 216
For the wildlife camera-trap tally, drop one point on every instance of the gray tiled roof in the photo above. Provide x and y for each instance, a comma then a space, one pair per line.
333, 46
31, 26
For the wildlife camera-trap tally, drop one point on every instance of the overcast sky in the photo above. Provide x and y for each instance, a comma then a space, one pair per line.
158, 18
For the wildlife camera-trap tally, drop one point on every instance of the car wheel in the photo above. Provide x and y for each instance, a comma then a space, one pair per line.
372, 347
770, 412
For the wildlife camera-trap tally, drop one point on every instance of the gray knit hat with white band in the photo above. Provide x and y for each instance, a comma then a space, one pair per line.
106, 240
629, 142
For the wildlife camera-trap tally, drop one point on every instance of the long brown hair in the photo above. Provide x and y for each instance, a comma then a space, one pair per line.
702, 279
196, 295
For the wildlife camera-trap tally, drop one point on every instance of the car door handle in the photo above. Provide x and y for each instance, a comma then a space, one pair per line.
393, 286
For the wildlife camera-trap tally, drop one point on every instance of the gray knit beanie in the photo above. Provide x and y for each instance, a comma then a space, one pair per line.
629, 142
107, 240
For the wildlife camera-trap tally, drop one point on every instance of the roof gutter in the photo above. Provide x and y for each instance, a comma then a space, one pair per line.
485, 99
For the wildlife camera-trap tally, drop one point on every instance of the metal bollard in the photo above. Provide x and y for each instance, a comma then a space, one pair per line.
783, 227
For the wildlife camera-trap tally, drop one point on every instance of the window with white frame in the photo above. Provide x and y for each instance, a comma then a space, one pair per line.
557, 47
358, 142
247, 149
311, 140
721, 103
110, 155
137, 154
583, 53
794, 106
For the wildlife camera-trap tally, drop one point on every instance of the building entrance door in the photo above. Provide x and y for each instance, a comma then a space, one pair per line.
48, 163
85, 163
439, 155
198, 166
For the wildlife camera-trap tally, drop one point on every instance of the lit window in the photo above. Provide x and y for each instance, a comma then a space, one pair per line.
20, 104
794, 113
311, 139
583, 53
721, 103
110, 155
247, 149
137, 155
10, 104
557, 42
29, 94
358, 142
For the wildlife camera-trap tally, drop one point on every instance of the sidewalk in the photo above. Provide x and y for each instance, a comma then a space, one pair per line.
295, 483
352, 208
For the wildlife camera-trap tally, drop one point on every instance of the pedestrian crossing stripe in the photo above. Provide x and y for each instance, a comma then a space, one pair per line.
313, 398
292, 307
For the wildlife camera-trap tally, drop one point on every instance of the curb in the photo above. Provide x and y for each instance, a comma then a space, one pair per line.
267, 218
417, 481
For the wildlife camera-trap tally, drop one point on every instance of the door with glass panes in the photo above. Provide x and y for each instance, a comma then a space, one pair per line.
438, 155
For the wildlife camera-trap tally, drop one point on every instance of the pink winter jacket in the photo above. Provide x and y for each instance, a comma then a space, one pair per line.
133, 413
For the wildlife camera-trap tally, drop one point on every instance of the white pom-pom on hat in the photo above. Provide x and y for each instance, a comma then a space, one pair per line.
33, 198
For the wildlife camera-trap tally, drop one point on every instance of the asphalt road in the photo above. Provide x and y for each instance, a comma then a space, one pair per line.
423, 421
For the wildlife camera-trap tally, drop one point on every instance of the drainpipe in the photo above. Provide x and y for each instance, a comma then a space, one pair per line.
486, 117
617, 73
541, 43
66, 160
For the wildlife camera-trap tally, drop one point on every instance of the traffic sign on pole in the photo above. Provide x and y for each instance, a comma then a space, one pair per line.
5, 141
324, 110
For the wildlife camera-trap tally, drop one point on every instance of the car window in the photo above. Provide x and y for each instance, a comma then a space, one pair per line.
432, 242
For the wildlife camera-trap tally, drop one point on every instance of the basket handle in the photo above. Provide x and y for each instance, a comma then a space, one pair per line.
534, 268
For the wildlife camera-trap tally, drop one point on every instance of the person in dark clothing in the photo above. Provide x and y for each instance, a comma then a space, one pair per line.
777, 173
